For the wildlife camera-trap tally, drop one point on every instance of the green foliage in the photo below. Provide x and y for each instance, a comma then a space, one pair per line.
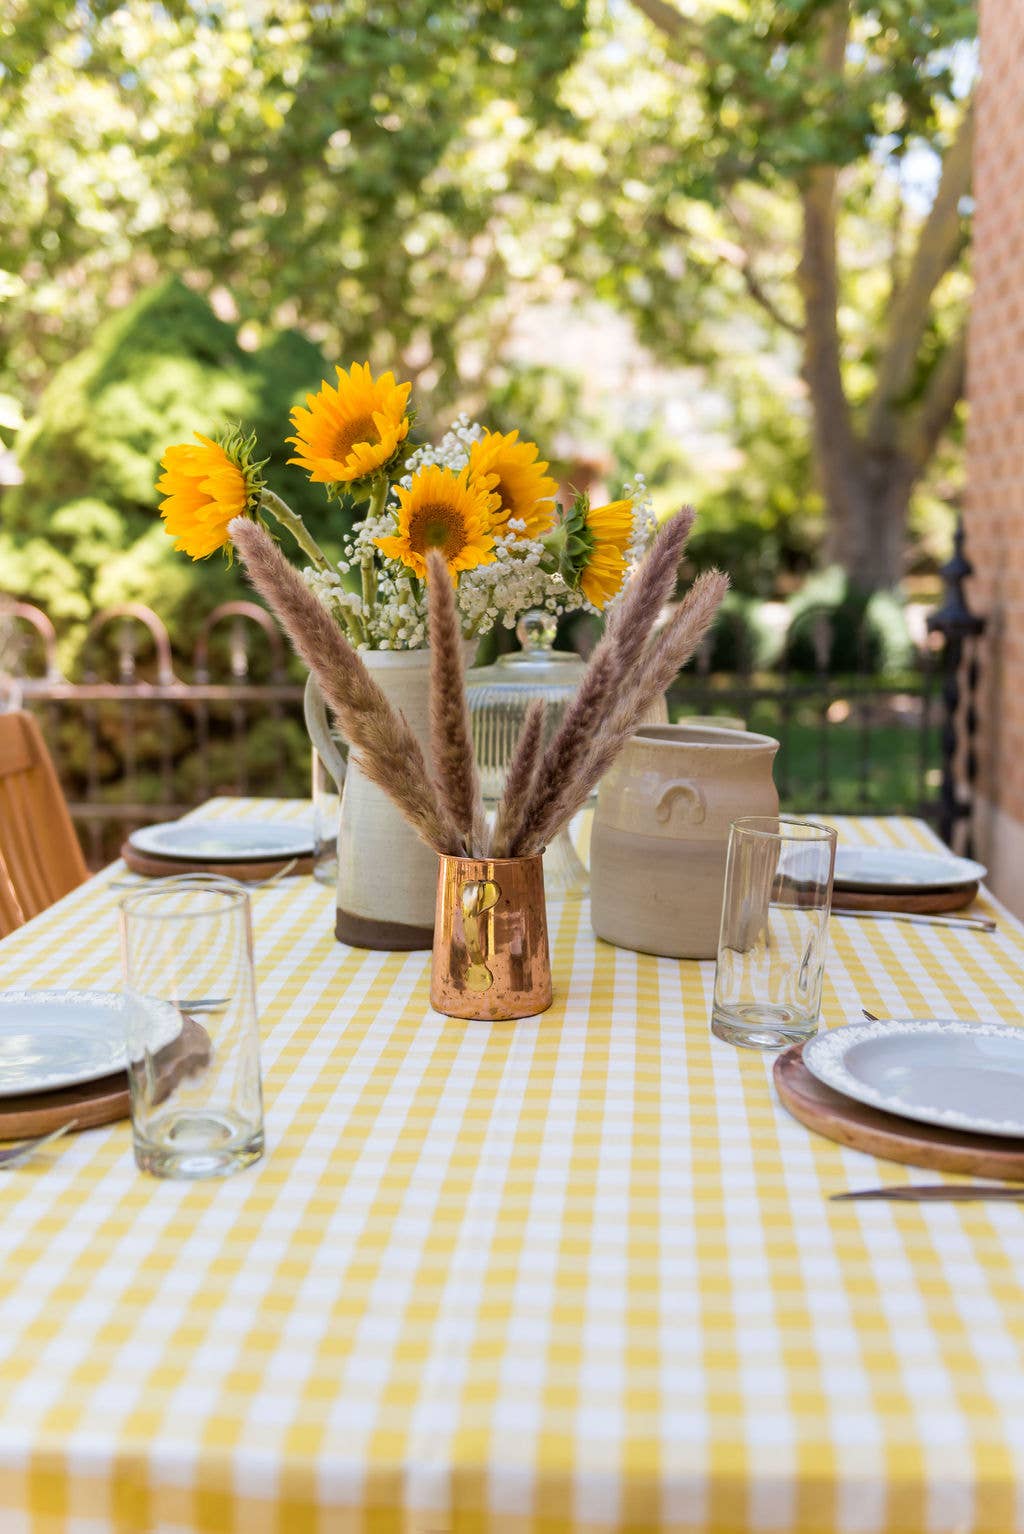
296, 155
153, 373
402, 181
763, 521
741, 641
866, 633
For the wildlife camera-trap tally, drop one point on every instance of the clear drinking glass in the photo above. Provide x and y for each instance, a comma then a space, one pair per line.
326, 822
191, 1028
774, 932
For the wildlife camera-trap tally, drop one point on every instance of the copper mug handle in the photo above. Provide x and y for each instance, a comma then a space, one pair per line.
477, 897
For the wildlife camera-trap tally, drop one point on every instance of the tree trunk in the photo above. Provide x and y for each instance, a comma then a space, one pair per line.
867, 523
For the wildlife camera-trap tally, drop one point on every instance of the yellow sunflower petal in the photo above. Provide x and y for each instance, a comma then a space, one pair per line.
610, 528
525, 490
447, 511
203, 488
603, 577
351, 431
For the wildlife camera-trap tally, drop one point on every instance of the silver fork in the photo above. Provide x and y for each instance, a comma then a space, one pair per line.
12, 1155
140, 881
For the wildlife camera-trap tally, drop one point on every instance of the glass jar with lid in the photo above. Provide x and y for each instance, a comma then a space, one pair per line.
499, 696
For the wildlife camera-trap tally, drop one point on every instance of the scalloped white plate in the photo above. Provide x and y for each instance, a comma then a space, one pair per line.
890, 870
955, 1074
52, 1039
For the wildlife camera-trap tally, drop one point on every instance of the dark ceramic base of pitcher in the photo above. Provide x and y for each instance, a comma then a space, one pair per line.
391, 936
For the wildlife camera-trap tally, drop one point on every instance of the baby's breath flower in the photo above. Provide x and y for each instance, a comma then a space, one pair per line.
519, 577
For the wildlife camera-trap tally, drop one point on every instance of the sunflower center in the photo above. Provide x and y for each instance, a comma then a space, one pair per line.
361, 429
437, 525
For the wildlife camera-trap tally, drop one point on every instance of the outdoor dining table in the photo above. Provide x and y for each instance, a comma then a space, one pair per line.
577, 1272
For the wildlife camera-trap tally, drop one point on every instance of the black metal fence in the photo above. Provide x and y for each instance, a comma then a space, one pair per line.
142, 734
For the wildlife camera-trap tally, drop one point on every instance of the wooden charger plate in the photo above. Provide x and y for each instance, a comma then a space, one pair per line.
106, 1100
885, 1134
933, 903
166, 868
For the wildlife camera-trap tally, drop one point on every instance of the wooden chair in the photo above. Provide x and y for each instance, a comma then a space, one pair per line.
40, 858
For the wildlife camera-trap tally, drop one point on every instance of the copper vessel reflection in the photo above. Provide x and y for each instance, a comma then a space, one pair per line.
491, 939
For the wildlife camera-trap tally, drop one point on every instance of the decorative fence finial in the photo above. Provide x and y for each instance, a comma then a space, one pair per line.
957, 625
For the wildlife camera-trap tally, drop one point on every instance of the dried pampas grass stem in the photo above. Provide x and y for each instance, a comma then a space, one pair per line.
636, 612
664, 656
520, 778
565, 755
451, 733
545, 786
669, 650
388, 751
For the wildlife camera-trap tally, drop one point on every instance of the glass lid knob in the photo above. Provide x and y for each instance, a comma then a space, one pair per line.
536, 631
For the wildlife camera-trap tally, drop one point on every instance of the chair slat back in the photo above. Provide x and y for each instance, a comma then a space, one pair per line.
40, 857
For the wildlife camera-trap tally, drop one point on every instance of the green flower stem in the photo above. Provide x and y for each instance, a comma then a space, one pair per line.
282, 513
356, 631
368, 565
368, 577
378, 497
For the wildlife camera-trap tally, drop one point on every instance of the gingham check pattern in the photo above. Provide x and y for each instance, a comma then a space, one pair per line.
576, 1272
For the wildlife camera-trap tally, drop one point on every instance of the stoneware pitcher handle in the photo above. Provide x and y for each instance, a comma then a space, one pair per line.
694, 806
315, 710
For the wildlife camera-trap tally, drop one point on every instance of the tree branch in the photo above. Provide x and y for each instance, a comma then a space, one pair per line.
666, 18
939, 244
945, 390
768, 304
741, 257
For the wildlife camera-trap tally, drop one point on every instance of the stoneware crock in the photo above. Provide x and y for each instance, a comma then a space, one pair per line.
661, 830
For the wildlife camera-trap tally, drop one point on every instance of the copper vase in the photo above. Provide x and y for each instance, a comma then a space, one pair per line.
491, 939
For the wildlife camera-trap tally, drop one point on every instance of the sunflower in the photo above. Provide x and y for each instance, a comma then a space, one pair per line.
609, 529
204, 487
351, 432
590, 543
520, 480
447, 511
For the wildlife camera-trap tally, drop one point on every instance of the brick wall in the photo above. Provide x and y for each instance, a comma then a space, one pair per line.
995, 440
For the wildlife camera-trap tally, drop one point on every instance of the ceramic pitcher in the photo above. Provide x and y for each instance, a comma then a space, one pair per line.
387, 877
661, 830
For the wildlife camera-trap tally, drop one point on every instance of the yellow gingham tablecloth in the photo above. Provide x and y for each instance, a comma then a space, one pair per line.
577, 1272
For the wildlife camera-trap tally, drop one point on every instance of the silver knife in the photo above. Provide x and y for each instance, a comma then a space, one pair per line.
971, 923
935, 1193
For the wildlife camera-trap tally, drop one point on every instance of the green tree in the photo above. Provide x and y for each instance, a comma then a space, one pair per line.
400, 180
768, 169
287, 157
782, 179
81, 531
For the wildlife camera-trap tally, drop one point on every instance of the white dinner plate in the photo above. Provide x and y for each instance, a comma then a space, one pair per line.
52, 1039
884, 870
955, 1074
219, 841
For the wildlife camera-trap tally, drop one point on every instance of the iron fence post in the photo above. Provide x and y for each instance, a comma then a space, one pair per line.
957, 625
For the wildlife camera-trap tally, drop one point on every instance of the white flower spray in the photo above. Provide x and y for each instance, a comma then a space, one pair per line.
497, 593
